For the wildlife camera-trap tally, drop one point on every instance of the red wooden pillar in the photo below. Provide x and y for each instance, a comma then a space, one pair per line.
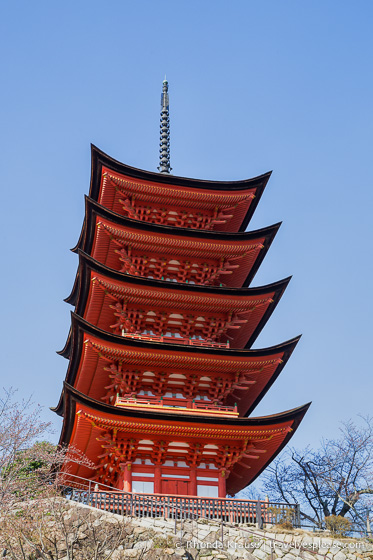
193, 482
222, 492
127, 477
157, 479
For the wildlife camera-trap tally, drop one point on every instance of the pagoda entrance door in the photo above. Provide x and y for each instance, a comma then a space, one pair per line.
175, 486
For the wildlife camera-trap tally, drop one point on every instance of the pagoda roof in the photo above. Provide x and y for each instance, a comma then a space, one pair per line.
173, 189
96, 281
85, 418
90, 349
249, 247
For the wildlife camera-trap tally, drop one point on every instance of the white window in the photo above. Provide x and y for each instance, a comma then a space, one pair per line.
185, 476
207, 491
142, 487
210, 478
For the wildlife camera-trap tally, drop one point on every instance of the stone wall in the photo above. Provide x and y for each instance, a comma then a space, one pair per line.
159, 539
204, 540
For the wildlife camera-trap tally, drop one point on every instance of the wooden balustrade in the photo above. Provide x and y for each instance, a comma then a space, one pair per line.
176, 340
229, 510
175, 402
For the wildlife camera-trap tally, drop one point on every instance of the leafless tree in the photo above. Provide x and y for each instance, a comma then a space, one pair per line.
53, 528
35, 520
20, 427
336, 479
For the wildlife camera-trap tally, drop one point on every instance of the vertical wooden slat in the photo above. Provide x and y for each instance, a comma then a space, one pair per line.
175, 507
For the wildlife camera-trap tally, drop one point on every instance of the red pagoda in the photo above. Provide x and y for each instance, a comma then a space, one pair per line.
161, 373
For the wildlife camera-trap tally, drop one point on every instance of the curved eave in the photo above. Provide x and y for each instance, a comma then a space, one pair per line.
66, 350
71, 394
73, 297
280, 426
93, 208
87, 263
79, 328
100, 159
234, 485
88, 232
288, 348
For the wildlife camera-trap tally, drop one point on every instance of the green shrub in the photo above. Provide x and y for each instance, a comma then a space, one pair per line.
163, 542
282, 517
338, 525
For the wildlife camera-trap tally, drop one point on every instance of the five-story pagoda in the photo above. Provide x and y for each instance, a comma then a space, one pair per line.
161, 373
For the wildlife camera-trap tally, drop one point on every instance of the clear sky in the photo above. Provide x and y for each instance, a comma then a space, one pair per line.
254, 86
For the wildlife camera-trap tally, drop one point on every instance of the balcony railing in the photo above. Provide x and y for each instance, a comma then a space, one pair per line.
229, 510
173, 404
176, 340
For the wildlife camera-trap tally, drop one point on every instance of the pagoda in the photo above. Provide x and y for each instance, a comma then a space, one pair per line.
162, 375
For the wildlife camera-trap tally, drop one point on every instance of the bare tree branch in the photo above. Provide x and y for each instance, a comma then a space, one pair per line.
336, 479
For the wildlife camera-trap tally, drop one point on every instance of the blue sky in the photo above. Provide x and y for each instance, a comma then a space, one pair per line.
254, 86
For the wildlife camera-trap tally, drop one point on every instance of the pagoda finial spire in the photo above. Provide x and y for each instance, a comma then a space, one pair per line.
164, 157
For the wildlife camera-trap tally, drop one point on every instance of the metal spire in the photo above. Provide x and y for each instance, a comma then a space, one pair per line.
164, 157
